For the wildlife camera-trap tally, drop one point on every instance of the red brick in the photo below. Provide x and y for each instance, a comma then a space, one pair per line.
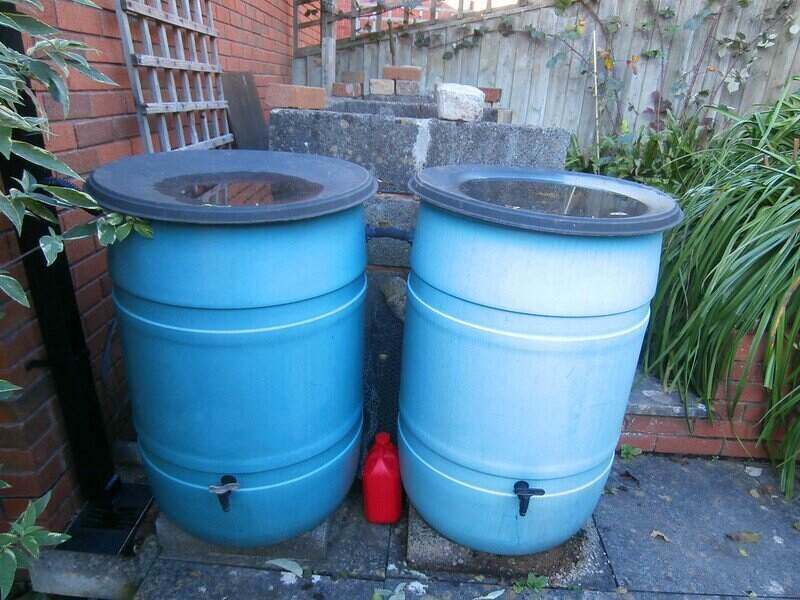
89, 269
744, 348
32, 484
688, 445
645, 424
352, 77
281, 95
753, 413
751, 392
25, 432
646, 442
62, 137
491, 95
725, 429
92, 132
754, 375
347, 90
404, 72
744, 449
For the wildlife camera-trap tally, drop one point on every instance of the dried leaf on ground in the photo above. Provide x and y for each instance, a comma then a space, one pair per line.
659, 535
287, 565
744, 537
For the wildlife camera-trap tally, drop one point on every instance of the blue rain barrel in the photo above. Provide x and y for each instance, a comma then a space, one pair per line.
528, 300
242, 330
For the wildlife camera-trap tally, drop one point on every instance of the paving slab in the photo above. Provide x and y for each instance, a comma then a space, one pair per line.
177, 580
666, 523
177, 543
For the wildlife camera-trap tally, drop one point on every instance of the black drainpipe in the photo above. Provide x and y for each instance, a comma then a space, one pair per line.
68, 358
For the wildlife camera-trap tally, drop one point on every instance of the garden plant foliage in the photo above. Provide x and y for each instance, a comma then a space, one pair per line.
733, 265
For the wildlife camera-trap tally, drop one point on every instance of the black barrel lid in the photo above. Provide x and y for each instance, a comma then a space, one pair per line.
230, 186
551, 201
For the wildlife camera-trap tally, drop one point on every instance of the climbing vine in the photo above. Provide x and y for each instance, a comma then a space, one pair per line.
690, 91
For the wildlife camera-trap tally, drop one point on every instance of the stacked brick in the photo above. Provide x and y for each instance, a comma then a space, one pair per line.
255, 36
732, 435
400, 80
351, 85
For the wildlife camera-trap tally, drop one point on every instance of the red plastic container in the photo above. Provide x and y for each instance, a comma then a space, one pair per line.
383, 493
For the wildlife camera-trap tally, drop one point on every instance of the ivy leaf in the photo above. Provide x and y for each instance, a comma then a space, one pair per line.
80, 64
80, 232
106, 232
7, 390
70, 196
51, 246
14, 209
5, 141
41, 157
555, 59
143, 228
26, 24
124, 231
12, 288
8, 567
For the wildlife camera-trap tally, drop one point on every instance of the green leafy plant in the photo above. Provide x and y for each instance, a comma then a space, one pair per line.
532, 583
733, 267
628, 452
23, 541
49, 60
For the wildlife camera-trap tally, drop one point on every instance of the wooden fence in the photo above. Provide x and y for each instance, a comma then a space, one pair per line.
538, 56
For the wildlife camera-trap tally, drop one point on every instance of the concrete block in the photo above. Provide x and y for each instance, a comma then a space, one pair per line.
283, 95
177, 543
393, 148
90, 575
381, 87
407, 88
456, 102
504, 115
347, 90
429, 550
491, 95
352, 77
402, 72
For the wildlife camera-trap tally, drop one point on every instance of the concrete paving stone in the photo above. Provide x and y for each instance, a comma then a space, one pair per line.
177, 543
696, 503
177, 580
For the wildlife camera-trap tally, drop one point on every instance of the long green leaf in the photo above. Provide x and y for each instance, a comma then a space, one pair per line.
41, 157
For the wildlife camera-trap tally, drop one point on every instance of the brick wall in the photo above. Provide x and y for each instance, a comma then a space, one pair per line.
728, 435
255, 36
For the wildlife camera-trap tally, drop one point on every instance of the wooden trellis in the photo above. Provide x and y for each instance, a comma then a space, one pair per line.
172, 46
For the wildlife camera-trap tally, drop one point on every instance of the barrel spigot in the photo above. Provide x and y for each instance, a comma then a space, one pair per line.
524, 492
227, 485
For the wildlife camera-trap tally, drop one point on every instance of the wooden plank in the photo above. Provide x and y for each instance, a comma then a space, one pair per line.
752, 91
504, 73
523, 63
146, 60
314, 71
299, 71
123, 22
651, 72
559, 75
487, 59
160, 108
419, 58
435, 66
245, 111
540, 74
470, 63
370, 64
134, 6
222, 140
452, 67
